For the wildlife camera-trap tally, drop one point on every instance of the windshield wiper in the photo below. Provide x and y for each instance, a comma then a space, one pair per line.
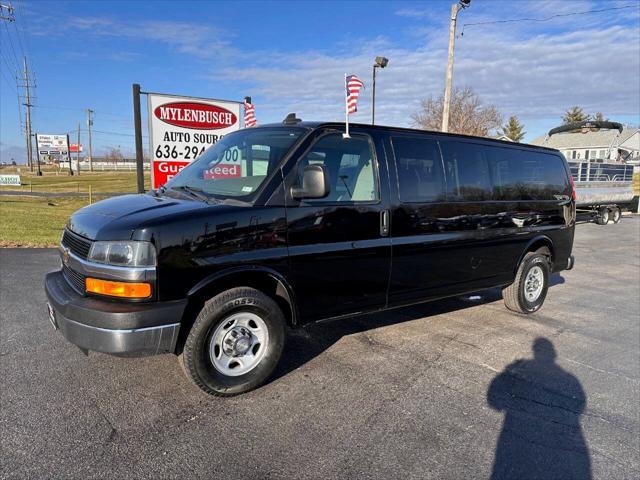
193, 191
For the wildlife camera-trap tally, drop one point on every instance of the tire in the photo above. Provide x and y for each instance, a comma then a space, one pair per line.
532, 272
603, 216
235, 342
616, 214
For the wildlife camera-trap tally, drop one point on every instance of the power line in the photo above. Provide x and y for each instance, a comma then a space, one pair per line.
12, 72
22, 50
24, 44
13, 51
114, 133
105, 132
75, 109
545, 19
9, 82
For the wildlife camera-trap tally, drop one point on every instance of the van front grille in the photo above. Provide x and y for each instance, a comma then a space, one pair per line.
76, 244
75, 279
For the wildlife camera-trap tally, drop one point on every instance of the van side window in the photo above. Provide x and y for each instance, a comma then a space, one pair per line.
525, 175
467, 171
419, 165
349, 163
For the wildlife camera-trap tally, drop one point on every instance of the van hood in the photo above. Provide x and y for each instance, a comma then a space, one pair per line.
126, 216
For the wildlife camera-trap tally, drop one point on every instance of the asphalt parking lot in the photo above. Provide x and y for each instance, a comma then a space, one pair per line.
456, 389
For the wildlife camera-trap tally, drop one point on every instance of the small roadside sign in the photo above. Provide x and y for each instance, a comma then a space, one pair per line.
13, 180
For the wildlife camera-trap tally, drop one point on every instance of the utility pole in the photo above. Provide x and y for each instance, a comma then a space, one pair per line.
38, 157
78, 151
28, 113
89, 125
9, 15
455, 8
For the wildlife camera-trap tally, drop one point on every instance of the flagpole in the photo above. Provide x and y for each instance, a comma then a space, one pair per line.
346, 108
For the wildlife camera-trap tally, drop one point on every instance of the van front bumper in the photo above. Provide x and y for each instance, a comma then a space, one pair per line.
112, 327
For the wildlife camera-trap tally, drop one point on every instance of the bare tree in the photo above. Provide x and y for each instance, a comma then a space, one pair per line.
467, 115
114, 155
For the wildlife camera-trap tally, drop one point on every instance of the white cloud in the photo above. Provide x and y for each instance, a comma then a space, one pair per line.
538, 77
195, 39
533, 70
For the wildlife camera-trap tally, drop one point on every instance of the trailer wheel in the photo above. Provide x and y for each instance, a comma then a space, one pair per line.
616, 214
603, 216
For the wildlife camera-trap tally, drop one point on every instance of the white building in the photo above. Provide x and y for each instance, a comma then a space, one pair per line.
606, 146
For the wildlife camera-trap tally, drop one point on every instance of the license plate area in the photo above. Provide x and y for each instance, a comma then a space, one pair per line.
52, 316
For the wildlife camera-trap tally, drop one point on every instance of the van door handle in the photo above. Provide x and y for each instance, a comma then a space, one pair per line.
384, 223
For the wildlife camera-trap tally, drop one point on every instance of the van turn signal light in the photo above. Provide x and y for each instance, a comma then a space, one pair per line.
118, 289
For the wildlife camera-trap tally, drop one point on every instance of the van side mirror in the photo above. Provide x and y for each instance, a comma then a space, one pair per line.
315, 183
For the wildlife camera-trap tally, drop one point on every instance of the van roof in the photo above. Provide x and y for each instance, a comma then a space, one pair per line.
315, 124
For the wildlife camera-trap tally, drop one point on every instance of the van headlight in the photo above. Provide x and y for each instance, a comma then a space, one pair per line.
123, 254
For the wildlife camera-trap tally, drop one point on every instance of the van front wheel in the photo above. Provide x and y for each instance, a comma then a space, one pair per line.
235, 343
529, 289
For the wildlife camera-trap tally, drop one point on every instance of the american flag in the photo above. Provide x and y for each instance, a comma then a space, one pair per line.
353, 84
249, 114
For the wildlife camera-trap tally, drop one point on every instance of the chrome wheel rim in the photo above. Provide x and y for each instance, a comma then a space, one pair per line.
533, 284
238, 344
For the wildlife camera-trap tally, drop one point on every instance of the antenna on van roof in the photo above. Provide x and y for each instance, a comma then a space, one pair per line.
291, 119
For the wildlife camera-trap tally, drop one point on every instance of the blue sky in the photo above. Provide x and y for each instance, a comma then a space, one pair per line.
291, 56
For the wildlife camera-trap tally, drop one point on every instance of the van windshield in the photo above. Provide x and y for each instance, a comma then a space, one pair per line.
238, 164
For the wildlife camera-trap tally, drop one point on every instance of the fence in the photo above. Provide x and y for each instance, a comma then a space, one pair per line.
104, 166
601, 172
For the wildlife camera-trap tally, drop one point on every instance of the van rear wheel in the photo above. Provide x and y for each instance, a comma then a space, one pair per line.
235, 343
529, 289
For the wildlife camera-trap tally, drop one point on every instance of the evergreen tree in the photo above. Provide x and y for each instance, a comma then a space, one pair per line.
599, 117
513, 129
574, 114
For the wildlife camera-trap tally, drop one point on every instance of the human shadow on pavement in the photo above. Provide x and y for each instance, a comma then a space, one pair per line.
541, 436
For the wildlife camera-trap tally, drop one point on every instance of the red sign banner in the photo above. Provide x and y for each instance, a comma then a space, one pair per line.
164, 171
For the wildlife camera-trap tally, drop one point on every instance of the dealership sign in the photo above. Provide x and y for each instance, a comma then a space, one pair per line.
181, 128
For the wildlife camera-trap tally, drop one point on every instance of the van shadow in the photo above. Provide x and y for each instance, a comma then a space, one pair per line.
306, 343
541, 436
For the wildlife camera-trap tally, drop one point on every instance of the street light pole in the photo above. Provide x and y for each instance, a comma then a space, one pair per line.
455, 8
373, 97
380, 62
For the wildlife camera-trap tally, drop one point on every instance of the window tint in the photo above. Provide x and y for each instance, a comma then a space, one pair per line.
481, 172
349, 165
467, 171
420, 177
524, 175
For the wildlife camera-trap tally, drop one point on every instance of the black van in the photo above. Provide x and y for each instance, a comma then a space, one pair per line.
310, 226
